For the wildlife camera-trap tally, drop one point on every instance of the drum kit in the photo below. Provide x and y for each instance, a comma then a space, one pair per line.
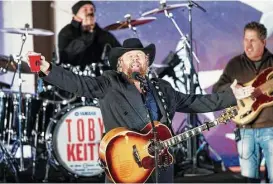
67, 129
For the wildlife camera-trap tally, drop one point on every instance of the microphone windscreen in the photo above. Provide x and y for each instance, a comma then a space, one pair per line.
134, 75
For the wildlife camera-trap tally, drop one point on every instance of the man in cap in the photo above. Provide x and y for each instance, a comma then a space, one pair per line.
127, 102
83, 42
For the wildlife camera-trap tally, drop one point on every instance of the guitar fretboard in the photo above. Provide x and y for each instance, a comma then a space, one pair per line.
189, 133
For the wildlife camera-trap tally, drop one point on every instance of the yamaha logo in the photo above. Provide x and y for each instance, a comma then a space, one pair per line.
85, 113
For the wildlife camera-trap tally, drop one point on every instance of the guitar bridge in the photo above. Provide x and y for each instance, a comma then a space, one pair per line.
136, 156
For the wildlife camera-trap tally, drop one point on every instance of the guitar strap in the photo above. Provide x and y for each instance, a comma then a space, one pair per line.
162, 99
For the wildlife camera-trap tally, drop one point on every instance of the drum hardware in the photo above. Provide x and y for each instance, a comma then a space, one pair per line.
5, 63
30, 31
58, 138
129, 23
93, 68
133, 28
190, 79
9, 117
8, 161
61, 101
10, 130
26, 116
18, 105
164, 8
83, 99
8, 64
42, 134
4, 112
15, 111
35, 144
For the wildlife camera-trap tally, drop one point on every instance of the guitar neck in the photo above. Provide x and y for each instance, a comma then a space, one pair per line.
189, 133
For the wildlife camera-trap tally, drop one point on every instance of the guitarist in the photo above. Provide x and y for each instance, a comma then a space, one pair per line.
258, 135
125, 102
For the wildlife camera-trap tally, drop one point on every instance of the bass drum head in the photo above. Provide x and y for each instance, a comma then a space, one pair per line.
76, 139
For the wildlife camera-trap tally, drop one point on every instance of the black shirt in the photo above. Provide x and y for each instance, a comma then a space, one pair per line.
80, 48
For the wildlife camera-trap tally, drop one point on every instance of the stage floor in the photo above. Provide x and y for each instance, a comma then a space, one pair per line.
232, 175
223, 177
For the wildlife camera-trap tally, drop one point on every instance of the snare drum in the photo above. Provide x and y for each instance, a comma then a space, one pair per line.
72, 140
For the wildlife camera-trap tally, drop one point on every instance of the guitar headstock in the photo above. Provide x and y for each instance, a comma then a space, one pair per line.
227, 114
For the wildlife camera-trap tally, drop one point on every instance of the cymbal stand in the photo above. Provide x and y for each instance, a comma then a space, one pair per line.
8, 162
18, 60
170, 16
192, 119
35, 145
204, 145
133, 28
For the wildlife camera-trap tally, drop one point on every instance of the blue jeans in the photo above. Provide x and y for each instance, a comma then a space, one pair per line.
253, 143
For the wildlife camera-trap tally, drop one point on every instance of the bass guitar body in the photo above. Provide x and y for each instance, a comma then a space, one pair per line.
250, 107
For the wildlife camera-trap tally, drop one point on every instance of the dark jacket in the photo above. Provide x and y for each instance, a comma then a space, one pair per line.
121, 103
244, 70
81, 48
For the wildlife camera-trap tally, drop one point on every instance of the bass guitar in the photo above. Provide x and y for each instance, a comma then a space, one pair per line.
250, 107
128, 156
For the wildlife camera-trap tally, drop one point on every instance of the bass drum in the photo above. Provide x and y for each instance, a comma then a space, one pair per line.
72, 140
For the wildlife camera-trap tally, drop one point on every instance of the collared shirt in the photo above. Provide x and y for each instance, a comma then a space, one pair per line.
150, 103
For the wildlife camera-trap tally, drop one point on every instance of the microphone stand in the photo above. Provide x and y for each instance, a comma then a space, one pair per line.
146, 87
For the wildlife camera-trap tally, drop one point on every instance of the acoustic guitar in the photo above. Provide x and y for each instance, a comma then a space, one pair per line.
250, 107
128, 156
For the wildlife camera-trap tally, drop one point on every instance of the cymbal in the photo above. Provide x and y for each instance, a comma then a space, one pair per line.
30, 31
7, 63
133, 22
154, 65
161, 9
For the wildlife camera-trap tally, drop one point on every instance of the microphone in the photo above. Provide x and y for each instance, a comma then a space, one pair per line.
142, 80
137, 76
